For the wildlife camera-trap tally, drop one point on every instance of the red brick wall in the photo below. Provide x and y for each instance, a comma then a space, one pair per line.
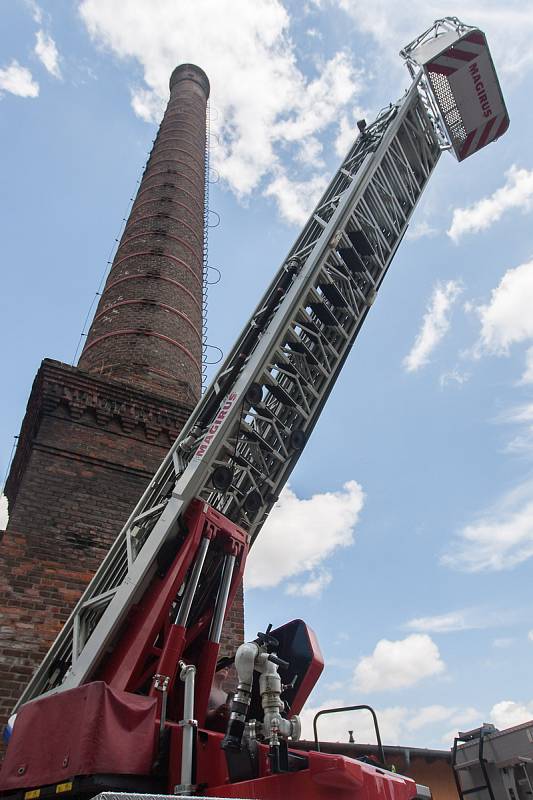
88, 447
233, 630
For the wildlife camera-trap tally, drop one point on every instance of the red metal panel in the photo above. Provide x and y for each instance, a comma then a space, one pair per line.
329, 777
148, 644
124, 666
312, 675
89, 730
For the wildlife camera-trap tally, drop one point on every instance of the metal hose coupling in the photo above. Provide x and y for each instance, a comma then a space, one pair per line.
237, 718
244, 664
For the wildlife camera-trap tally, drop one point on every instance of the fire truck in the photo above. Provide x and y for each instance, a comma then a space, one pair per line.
130, 698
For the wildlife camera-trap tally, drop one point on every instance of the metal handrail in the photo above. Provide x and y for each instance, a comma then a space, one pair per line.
350, 708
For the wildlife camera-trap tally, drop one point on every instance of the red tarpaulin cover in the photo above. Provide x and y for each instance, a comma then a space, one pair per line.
89, 730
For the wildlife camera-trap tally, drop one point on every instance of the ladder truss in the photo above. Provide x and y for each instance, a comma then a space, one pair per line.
246, 434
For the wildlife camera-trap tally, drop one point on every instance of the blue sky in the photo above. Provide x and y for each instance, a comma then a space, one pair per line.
406, 536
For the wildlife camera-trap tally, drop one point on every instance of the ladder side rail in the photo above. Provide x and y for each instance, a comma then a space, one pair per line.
287, 465
194, 479
455, 771
483, 765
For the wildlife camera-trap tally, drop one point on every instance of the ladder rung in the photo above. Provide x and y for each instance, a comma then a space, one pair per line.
99, 599
331, 293
263, 411
475, 789
299, 347
147, 514
285, 365
352, 260
513, 761
280, 394
323, 313
361, 243
256, 437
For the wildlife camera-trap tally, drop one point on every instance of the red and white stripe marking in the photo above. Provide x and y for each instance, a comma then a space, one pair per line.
479, 137
457, 57
459, 54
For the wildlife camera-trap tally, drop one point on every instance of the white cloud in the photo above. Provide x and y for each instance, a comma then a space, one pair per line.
466, 619
4, 516
464, 719
507, 318
420, 230
453, 376
36, 11
507, 713
428, 716
527, 377
321, 99
345, 136
311, 152
334, 686
501, 538
341, 663
435, 325
46, 51
508, 26
146, 104
445, 623
530, 636
397, 723
313, 586
18, 80
399, 664
265, 102
300, 534
517, 192
521, 415
335, 727
295, 199
342, 637
503, 642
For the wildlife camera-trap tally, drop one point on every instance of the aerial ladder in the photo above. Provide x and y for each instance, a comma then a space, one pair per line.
123, 701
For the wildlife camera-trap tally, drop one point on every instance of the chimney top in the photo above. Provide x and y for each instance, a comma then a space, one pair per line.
190, 72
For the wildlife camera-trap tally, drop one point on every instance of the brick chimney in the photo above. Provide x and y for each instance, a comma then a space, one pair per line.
94, 434
147, 330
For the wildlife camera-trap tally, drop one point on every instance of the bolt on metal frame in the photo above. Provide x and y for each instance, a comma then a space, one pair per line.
274, 382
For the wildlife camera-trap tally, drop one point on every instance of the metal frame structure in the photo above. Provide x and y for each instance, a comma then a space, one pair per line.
246, 434
439, 28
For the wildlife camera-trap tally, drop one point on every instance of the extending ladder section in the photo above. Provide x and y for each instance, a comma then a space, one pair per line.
246, 434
